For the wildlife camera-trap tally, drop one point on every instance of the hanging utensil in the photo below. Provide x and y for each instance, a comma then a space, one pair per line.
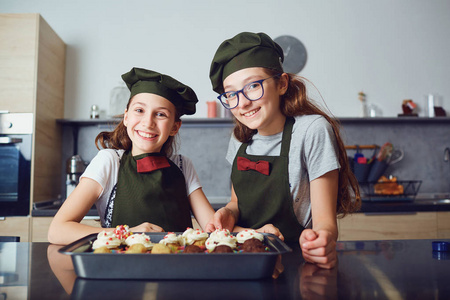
385, 151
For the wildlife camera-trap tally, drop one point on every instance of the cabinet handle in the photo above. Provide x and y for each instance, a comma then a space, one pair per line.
8, 140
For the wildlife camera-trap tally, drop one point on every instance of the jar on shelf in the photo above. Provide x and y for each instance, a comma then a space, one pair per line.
118, 100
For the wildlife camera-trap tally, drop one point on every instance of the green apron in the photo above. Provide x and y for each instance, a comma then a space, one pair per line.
158, 197
266, 199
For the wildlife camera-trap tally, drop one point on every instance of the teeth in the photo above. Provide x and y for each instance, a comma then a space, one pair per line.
146, 135
251, 113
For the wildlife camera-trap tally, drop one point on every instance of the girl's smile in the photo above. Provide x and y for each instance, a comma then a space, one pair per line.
150, 121
263, 114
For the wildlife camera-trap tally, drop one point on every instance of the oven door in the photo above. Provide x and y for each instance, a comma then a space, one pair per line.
15, 173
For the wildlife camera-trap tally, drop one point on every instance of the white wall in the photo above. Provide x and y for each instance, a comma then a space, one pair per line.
391, 50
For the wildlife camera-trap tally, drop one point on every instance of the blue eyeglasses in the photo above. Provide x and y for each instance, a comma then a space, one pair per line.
252, 91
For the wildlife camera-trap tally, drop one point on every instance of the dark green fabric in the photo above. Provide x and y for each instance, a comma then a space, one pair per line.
146, 81
158, 197
245, 50
267, 199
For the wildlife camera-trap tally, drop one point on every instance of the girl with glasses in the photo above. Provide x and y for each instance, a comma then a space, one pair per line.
290, 173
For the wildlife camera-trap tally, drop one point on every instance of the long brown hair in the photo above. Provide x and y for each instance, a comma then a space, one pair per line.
118, 138
295, 102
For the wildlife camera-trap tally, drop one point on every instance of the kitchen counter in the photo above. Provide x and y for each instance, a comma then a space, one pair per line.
406, 269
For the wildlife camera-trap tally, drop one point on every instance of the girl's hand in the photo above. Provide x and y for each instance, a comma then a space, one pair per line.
269, 228
318, 247
147, 227
224, 218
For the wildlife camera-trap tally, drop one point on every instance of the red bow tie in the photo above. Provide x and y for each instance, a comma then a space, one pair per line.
151, 163
245, 164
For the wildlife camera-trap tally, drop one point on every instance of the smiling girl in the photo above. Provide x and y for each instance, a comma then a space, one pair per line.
137, 179
290, 174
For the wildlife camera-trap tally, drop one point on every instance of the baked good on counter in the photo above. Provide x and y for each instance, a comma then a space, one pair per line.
194, 237
388, 186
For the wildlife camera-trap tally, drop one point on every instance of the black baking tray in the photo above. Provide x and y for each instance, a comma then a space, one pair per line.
173, 266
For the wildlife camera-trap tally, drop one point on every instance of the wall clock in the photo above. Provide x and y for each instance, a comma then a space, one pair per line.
294, 53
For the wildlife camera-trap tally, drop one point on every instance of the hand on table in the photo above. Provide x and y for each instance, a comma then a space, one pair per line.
318, 247
146, 227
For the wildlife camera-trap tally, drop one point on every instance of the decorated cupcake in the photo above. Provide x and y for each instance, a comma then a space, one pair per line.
173, 241
139, 238
106, 239
251, 240
194, 237
122, 232
221, 241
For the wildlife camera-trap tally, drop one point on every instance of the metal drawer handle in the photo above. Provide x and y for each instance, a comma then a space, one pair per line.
8, 140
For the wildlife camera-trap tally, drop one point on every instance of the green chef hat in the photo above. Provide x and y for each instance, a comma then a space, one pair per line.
245, 50
146, 81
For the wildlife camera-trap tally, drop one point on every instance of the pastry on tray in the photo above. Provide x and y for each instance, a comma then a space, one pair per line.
139, 238
136, 248
107, 239
194, 237
173, 241
160, 249
251, 240
192, 249
221, 237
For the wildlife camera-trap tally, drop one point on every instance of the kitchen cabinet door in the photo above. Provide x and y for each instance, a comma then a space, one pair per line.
16, 226
359, 226
443, 225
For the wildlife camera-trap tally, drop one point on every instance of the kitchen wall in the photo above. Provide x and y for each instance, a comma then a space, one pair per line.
422, 140
391, 50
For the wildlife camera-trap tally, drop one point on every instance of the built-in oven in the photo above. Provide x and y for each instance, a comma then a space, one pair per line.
16, 133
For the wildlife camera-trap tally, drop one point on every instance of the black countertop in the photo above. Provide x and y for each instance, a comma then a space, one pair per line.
406, 269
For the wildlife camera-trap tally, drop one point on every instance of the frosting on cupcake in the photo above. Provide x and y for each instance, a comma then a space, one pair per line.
106, 239
220, 237
122, 232
172, 238
193, 235
248, 234
139, 238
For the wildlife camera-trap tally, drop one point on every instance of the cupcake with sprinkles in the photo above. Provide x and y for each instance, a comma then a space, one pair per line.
139, 238
251, 241
194, 237
173, 241
106, 240
221, 241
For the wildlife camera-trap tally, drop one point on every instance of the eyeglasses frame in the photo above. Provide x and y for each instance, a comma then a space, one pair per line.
242, 92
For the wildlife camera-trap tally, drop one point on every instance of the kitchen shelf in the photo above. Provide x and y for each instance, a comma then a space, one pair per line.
227, 121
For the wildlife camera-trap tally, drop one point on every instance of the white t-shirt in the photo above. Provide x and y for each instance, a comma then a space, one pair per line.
313, 153
104, 169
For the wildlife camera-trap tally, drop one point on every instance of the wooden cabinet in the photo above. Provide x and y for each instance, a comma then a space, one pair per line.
32, 64
421, 225
16, 226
